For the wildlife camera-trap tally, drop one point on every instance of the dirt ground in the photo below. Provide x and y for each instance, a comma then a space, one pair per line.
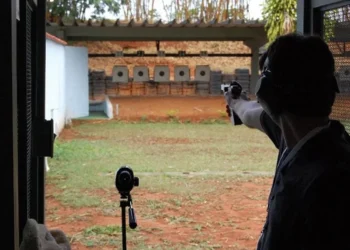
194, 108
232, 220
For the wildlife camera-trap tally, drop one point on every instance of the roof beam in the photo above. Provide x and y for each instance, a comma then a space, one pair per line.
175, 55
91, 33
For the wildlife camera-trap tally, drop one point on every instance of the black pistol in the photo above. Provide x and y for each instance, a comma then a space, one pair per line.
234, 90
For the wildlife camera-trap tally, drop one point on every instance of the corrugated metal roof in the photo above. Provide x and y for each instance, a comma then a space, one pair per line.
159, 24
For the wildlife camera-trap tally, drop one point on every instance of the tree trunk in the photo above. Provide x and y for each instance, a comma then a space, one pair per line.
129, 10
178, 10
137, 14
166, 10
152, 11
145, 10
218, 10
227, 9
202, 10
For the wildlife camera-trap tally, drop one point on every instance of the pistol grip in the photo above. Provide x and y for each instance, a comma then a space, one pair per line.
235, 119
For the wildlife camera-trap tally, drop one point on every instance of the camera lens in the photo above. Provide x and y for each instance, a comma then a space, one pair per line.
124, 178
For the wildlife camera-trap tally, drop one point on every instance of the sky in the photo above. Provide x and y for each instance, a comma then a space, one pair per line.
255, 10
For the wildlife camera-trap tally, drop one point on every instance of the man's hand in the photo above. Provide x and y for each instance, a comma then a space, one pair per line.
231, 103
249, 112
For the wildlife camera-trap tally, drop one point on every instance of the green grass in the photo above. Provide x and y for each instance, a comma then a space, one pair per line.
95, 115
167, 147
111, 235
84, 164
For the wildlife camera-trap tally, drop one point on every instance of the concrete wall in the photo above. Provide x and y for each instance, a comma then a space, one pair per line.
108, 108
104, 105
67, 86
77, 82
55, 105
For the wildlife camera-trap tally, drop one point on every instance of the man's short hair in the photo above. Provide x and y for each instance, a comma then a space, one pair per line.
306, 64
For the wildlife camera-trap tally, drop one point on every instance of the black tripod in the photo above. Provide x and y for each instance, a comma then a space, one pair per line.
124, 182
126, 201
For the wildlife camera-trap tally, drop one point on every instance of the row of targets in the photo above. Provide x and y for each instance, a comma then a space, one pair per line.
161, 74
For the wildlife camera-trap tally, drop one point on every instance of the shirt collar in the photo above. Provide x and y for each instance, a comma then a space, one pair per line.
303, 141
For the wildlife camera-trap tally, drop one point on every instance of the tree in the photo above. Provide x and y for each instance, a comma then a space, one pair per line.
280, 17
101, 7
76, 9
206, 9
140, 10
145, 9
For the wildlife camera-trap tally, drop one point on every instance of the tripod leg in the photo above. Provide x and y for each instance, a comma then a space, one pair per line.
124, 227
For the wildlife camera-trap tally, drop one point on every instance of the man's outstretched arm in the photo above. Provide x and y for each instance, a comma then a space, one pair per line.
253, 115
248, 111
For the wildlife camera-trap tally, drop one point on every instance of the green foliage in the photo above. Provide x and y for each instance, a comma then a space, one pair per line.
77, 9
329, 22
108, 230
105, 6
280, 17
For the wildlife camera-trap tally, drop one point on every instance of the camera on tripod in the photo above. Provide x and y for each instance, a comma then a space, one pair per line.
125, 182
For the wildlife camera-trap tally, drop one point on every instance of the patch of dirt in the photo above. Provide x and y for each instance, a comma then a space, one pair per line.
184, 109
79, 246
163, 140
194, 108
68, 134
233, 217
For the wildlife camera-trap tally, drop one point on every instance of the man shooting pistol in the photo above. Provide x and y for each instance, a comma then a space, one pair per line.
308, 205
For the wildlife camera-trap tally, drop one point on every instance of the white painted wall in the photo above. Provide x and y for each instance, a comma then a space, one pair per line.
55, 104
77, 82
67, 86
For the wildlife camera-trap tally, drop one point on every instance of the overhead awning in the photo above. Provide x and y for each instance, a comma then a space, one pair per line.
229, 30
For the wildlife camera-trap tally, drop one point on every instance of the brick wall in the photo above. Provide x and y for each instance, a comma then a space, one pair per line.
100, 85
